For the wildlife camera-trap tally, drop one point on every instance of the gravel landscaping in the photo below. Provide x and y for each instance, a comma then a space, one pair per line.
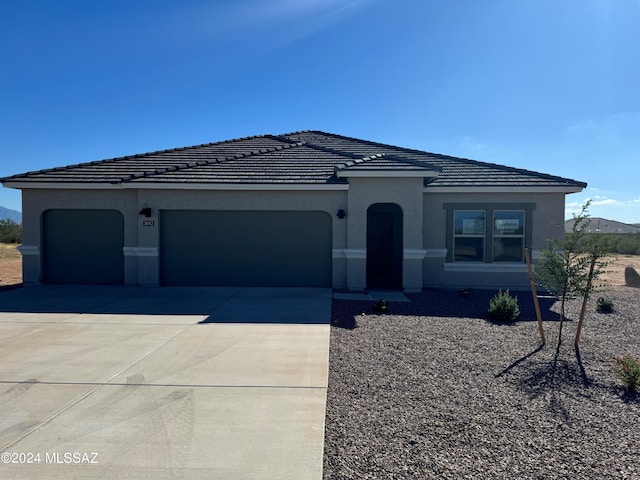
433, 389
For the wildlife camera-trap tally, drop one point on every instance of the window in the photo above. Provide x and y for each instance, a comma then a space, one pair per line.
508, 236
468, 235
481, 233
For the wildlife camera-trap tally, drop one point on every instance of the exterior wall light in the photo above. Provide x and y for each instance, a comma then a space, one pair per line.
341, 214
146, 211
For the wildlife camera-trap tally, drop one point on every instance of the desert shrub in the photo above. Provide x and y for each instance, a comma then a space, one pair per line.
627, 368
624, 243
381, 306
503, 307
604, 305
10, 232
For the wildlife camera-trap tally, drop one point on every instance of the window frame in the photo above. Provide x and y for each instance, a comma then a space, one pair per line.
495, 235
483, 236
489, 208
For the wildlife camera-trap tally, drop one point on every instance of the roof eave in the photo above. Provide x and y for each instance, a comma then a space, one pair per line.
237, 186
31, 185
26, 185
386, 173
173, 186
567, 189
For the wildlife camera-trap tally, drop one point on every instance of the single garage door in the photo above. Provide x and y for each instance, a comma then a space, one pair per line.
245, 248
83, 247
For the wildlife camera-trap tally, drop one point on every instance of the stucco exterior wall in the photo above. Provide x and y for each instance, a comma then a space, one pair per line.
547, 221
326, 201
424, 232
35, 202
407, 194
142, 234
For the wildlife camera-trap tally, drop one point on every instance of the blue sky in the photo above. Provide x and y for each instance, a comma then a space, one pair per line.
547, 85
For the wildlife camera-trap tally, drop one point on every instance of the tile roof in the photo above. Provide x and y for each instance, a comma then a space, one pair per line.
306, 157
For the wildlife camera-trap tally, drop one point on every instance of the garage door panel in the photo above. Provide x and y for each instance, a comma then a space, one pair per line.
246, 248
83, 247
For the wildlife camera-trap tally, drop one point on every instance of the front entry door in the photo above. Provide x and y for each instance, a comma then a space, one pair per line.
384, 246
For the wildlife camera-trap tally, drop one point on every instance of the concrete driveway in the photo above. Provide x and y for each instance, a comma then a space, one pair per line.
175, 383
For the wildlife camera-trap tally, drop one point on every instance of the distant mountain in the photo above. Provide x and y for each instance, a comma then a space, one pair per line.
8, 214
602, 225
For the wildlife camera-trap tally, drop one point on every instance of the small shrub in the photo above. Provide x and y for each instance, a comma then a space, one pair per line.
381, 306
604, 305
628, 369
503, 307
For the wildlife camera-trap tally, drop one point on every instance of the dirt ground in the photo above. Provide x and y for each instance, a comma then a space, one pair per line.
11, 266
614, 275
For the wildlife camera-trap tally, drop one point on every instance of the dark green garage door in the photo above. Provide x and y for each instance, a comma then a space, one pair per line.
83, 247
247, 248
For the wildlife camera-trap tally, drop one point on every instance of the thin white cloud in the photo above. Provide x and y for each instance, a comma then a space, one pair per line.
605, 201
468, 144
581, 127
620, 209
283, 10
284, 21
609, 129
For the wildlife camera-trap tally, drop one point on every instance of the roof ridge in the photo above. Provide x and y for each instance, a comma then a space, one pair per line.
322, 148
137, 155
418, 163
187, 165
279, 138
462, 159
386, 145
189, 147
357, 161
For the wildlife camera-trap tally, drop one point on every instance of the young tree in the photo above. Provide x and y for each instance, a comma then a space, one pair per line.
566, 270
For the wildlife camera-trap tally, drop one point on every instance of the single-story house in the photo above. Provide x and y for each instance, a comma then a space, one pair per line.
306, 208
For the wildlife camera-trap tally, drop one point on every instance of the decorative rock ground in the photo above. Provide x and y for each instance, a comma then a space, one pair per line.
432, 390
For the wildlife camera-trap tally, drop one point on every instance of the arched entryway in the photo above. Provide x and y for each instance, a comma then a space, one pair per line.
384, 246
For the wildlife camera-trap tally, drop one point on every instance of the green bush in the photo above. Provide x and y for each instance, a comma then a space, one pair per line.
604, 305
628, 245
624, 243
503, 307
10, 232
381, 306
627, 368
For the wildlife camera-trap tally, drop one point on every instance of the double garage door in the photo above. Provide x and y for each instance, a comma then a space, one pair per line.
245, 248
197, 248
